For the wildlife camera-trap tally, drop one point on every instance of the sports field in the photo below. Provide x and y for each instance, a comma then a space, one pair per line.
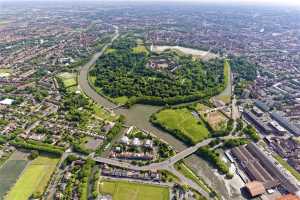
34, 178
183, 120
121, 190
68, 79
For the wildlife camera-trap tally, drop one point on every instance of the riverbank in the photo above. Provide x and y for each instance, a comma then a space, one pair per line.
139, 116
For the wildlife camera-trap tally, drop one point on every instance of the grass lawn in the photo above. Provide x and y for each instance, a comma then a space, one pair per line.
183, 120
122, 190
34, 179
140, 49
286, 165
68, 79
110, 50
121, 100
225, 96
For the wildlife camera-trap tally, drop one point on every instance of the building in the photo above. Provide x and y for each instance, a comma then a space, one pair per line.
257, 122
285, 123
259, 167
7, 101
136, 142
255, 188
288, 197
257, 111
262, 105
279, 129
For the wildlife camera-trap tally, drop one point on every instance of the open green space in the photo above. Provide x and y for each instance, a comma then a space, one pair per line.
121, 100
104, 114
225, 95
9, 173
182, 123
68, 79
286, 165
110, 50
34, 179
215, 120
140, 49
121, 190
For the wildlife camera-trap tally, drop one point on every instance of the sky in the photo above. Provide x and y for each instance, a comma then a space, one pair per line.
255, 2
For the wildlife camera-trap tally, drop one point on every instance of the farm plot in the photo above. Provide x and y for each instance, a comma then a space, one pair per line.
11, 170
34, 179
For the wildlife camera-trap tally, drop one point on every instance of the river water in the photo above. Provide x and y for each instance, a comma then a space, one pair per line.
138, 115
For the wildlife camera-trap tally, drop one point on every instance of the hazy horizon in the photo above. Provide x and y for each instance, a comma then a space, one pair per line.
227, 2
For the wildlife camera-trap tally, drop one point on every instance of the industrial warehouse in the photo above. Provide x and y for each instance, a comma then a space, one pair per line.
261, 171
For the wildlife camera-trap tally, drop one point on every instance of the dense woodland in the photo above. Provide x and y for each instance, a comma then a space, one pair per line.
123, 72
244, 72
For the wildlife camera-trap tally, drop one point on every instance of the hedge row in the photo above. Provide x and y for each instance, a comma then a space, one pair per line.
213, 158
40, 147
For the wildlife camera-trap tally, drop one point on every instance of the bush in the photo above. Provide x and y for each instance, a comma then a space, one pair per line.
213, 158
33, 155
39, 147
249, 130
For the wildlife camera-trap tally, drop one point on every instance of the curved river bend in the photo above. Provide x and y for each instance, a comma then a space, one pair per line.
138, 115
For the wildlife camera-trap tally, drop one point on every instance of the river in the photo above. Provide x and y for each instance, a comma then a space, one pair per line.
138, 115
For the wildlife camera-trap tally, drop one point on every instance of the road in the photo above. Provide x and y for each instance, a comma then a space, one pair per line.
165, 164
137, 115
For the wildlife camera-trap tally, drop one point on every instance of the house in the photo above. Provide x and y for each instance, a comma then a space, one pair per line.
148, 143
255, 188
136, 142
125, 140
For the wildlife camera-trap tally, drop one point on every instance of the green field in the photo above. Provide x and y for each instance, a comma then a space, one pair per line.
225, 96
68, 79
121, 190
183, 120
140, 49
110, 50
9, 174
121, 100
34, 179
